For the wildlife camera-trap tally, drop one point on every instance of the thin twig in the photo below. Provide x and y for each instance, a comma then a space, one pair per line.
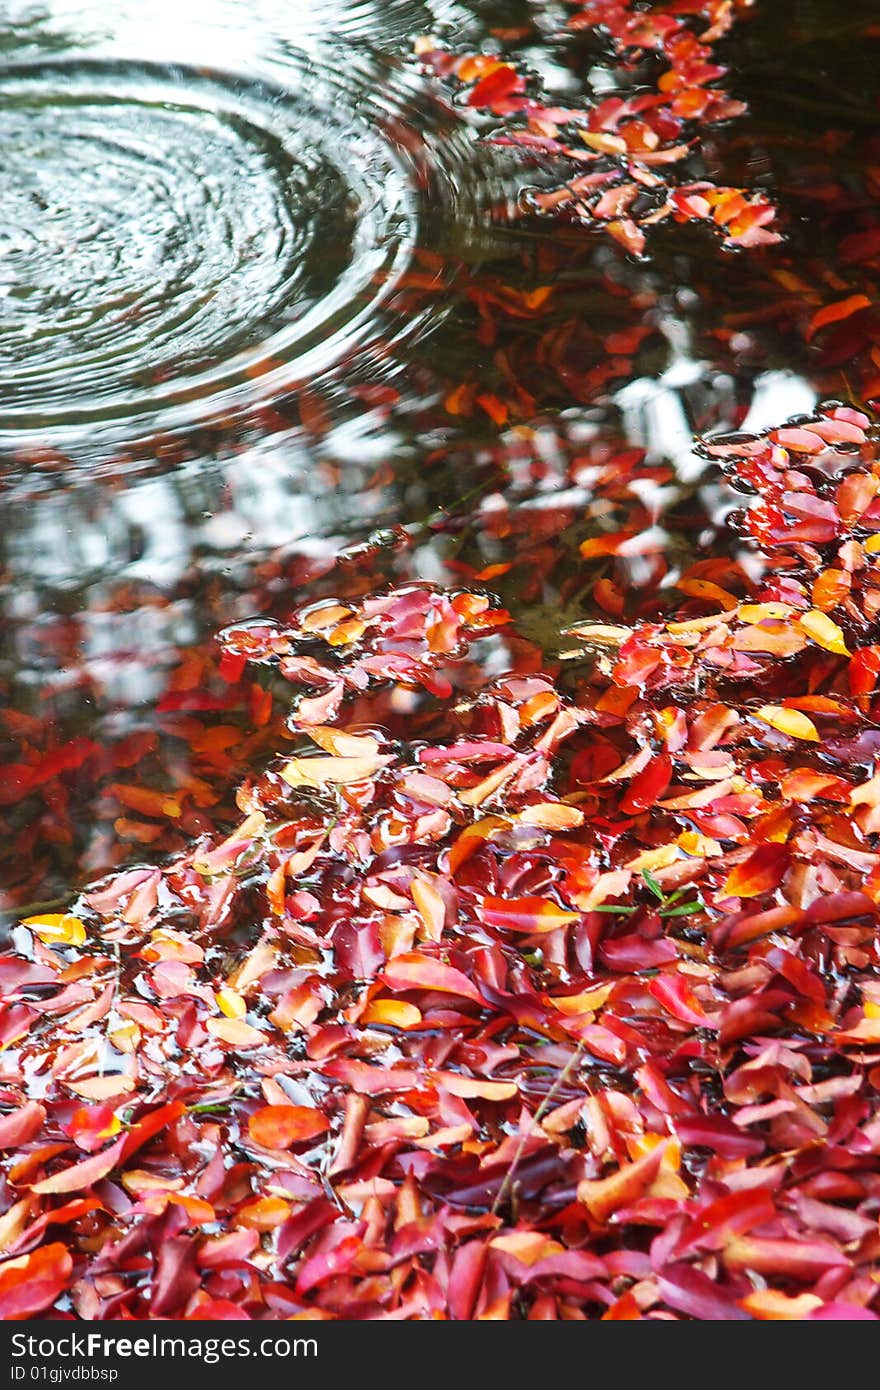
536, 1120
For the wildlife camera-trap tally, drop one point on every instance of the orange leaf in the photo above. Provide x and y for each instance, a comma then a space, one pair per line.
342, 745
604, 1196
529, 1247
551, 815
760, 873
471, 838
769, 1305
31, 1284
264, 1214
833, 313
280, 1126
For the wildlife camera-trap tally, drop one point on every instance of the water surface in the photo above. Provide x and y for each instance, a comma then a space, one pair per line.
261, 339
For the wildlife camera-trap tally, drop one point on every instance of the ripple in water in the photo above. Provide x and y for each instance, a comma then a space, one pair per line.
170, 236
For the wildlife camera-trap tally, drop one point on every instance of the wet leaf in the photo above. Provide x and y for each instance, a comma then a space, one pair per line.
57, 929
282, 1126
788, 721
31, 1283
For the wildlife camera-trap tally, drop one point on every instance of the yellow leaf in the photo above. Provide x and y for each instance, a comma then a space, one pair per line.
704, 589
230, 1002
57, 929
698, 624
608, 885
587, 1002
604, 144
760, 612
472, 1087
788, 721
343, 745
475, 796
659, 858
14, 1221
867, 794
392, 1013
318, 772
604, 634
551, 815
823, 631
259, 961
235, 1032
139, 1182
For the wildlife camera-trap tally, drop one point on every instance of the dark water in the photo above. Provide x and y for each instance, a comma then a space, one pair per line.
248, 257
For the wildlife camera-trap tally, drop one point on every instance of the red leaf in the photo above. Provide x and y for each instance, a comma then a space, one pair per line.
733, 1214
496, 87
151, 1125
407, 972
648, 786
673, 993
82, 1175
22, 1125
690, 1291
760, 873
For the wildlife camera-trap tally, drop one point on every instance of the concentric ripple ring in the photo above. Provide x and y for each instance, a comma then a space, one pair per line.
171, 235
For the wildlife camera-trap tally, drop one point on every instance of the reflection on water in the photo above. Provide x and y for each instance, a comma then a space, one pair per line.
269, 330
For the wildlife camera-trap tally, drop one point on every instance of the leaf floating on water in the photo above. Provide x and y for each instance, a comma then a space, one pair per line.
788, 721
321, 772
825, 631
57, 929
235, 1032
